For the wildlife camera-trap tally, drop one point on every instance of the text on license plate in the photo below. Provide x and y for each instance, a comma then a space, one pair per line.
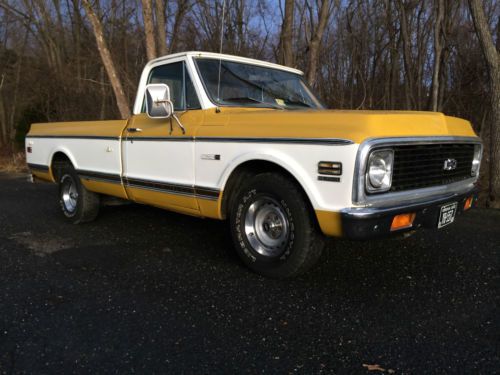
447, 214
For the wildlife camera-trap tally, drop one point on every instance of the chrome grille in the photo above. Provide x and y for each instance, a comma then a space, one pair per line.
420, 166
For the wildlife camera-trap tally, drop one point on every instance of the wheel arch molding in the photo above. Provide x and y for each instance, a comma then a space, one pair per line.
58, 156
247, 166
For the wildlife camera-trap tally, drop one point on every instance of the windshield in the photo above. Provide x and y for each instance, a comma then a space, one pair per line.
254, 86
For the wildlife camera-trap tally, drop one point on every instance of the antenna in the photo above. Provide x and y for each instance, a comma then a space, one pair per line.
220, 48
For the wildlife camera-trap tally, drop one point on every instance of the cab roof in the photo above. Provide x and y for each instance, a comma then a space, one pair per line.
222, 56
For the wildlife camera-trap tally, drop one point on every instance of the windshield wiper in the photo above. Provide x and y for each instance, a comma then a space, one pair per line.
252, 100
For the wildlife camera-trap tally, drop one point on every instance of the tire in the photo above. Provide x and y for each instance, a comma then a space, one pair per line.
77, 203
273, 227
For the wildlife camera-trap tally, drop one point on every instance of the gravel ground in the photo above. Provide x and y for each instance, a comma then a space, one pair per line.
148, 291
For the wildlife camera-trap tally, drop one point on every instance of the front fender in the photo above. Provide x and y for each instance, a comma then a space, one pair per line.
298, 171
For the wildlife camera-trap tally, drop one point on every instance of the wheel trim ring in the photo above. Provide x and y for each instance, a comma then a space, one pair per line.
69, 194
266, 227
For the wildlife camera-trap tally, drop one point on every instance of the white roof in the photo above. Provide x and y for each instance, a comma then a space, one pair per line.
212, 55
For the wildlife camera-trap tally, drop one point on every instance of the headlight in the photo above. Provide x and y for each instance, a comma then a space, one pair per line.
476, 162
379, 171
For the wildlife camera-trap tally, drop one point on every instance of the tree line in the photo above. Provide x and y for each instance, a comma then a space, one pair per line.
81, 59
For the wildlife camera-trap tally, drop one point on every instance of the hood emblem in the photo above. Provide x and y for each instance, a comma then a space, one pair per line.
450, 164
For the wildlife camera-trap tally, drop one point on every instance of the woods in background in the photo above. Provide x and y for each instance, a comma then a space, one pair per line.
81, 59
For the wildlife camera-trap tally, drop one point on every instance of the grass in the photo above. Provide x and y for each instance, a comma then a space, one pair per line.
13, 162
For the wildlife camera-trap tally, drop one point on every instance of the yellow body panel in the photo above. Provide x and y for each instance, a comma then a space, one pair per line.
356, 126
210, 208
173, 202
330, 223
109, 128
45, 176
191, 120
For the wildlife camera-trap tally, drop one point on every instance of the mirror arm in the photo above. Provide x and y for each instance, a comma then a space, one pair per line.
169, 103
179, 122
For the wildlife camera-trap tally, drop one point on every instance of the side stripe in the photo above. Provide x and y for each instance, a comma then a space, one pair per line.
99, 176
164, 187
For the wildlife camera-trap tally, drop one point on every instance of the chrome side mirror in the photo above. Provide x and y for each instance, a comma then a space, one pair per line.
158, 103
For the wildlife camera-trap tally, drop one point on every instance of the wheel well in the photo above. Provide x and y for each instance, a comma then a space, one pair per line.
58, 161
246, 170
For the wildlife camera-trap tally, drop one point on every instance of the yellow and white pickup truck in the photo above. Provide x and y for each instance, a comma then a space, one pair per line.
226, 137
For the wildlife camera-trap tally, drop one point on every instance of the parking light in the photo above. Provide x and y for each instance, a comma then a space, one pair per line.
403, 221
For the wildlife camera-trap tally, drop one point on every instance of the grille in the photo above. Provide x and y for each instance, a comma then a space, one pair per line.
420, 166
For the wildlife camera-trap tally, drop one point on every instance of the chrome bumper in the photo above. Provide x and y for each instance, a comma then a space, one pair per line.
370, 222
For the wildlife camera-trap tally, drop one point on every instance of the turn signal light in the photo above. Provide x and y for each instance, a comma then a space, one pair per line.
402, 221
468, 203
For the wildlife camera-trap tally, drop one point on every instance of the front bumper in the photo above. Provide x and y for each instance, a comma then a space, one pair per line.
372, 222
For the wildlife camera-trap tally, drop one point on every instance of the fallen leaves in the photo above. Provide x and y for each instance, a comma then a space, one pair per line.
378, 368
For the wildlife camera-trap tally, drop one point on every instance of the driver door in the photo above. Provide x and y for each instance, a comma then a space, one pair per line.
158, 155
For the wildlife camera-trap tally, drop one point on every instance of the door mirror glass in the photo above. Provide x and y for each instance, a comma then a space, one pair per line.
158, 104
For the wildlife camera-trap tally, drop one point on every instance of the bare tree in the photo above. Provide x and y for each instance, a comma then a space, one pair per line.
493, 63
407, 54
161, 31
438, 49
107, 61
286, 55
314, 44
147, 15
4, 138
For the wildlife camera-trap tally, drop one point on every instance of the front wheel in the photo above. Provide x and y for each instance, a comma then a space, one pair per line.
77, 203
273, 227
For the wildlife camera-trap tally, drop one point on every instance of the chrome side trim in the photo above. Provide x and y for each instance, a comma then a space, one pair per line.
99, 176
315, 141
359, 196
75, 137
308, 141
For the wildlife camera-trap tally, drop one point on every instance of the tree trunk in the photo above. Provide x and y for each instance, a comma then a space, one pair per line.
313, 55
147, 15
493, 62
107, 61
161, 32
183, 7
407, 55
3, 116
286, 57
438, 49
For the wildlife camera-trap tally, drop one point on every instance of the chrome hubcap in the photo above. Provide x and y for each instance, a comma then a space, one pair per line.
266, 227
69, 193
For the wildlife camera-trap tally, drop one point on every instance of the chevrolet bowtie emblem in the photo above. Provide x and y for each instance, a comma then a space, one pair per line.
450, 164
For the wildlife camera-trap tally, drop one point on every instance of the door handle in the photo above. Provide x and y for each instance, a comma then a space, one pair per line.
134, 130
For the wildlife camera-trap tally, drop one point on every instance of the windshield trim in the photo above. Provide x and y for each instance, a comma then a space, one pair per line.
320, 105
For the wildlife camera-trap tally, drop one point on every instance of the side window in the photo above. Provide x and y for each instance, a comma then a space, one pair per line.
182, 92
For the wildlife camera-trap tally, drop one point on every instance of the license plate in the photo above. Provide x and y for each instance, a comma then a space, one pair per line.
447, 214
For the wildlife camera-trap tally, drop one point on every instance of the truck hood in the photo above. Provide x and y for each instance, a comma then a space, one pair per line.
355, 126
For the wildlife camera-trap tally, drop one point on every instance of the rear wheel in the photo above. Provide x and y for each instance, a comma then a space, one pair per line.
77, 203
273, 227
